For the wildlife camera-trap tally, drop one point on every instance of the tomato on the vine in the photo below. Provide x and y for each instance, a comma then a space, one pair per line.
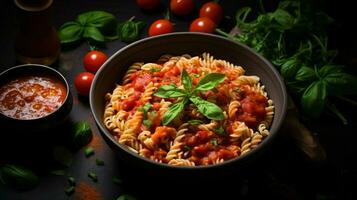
160, 26
181, 7
93, 60
148, 4
83, 82
202, 24
213, 11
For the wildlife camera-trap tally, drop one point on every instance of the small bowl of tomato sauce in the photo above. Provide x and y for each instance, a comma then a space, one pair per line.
33, 97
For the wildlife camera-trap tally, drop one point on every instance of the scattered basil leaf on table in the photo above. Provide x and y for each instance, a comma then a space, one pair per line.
58, 172
19, 177
93, 176
81, 134
99, 162
70, 190
89, 151
71, 181
130, 30
97, 26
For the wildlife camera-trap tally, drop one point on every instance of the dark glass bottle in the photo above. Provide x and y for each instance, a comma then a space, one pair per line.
36, 38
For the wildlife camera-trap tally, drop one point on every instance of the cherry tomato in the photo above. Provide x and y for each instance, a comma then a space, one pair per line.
181, 7
82, 82
93, 60
213, 11
148, 4
202, 24
160, 26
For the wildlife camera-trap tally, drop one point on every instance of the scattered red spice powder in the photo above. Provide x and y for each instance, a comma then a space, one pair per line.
84, 191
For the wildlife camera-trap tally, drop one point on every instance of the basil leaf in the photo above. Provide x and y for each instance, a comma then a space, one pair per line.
208, 109
314, 99
169, 91
289, 68
329, 69
284, 18
147, 123
19, 177
93, 176
81, 134
129, 31
93, 33
70, 32
70, 190
209, 82
186, 81
117, 180
214, 141
219, 131
341, 83
305, 74
62, 155
126, 197
195, 122
98, 19
174, 110
88, 152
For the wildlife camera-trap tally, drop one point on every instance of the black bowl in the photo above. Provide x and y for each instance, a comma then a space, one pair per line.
149, 50
49, 121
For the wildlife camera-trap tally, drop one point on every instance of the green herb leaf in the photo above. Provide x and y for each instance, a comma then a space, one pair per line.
220, 131
117, 180
129, 31
195, 122
186, 81
70, 190
330, 69
71, 181
93, 176
70, 32
306, 74
147, 123
62, 155
98, 19
19, 177
99, 162
126, 197
314, 99
81, 134
208, 109
284, 18
174, 110
93, 33
339, 83
290, 67
89, 151
209, 82
169, 91
214, 141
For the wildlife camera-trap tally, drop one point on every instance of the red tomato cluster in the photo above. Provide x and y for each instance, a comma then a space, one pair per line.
210, 15
92, 61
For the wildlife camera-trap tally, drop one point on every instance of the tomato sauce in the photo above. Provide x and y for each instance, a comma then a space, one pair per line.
31, 97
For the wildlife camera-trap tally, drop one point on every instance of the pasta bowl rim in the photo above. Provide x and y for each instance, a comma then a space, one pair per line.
105, 133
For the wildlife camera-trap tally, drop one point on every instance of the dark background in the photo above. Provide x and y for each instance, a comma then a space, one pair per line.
284, 172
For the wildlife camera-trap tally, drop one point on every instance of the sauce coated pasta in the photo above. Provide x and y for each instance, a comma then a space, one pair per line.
134, 114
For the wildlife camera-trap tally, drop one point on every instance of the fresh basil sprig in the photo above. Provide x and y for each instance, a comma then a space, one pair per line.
186, 95
294, 38
93, 25
81, 134
18, 176
129, 31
